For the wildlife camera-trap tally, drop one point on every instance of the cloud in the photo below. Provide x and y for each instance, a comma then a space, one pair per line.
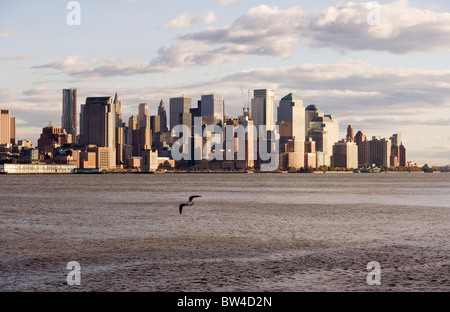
226, 2
274, 32
17, 57
185, 20
5, 33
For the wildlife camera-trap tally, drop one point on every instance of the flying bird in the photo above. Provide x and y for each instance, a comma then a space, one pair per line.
189, 203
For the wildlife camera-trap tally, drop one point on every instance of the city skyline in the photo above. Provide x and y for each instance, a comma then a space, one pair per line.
383, 79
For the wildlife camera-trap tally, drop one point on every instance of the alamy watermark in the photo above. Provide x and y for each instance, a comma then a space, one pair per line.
263, 143
374, 16
74, 16
74, 276
374, 276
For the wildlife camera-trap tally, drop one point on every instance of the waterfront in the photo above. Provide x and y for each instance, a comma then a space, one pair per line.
248, 232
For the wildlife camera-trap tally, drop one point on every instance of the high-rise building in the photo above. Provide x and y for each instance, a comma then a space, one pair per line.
324, 130
69, 112
143, 118
179, 112
291, 118
52, 137
13, 130
398, 151
5, 126
350, 134
345, 155
363, 152
118, 106
163, 116
403, 156
212, 106
99, 124
263, 108
378, 152
155, 124
310, 112
396, 139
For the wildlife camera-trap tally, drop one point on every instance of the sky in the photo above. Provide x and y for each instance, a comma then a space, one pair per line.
382, 67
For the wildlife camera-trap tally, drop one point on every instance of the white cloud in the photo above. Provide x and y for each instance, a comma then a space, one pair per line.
185, 20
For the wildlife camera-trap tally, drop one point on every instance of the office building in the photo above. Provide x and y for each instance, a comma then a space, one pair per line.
99, 125
310, 112
291, 118
52, 137
143, 118
324, 130
212, 109
163, 116
263, 108
363, 152
345, 155
7, 127
179, 112
69, 112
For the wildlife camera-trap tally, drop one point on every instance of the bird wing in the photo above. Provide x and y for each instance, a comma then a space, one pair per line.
191, 197
181, 207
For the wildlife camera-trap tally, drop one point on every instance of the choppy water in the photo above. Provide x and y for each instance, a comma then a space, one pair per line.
248, 232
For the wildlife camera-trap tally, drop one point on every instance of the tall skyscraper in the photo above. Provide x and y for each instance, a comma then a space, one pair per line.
99, 124
213, 106
118, 106
5, 126
143, 118
310, 112
69, 112
291, 119
163, 116
398, 151
363, 152
350, 134
13, 130
263, 108
179, 112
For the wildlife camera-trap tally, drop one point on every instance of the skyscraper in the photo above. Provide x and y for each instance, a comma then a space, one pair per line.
118, 106
363, 152
5, 126
350, 134
69, 112
291, 119
213, 106
143, 118
179, 112
379, 152
99, 124
345, 155
163, 116
310, 112
13, 130
324, 130
263, 108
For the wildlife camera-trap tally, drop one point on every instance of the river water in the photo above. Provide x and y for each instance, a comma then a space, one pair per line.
248, 232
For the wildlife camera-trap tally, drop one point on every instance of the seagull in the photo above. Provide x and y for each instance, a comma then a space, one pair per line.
189, 203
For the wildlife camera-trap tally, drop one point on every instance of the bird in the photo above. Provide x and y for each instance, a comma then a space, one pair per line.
189, 203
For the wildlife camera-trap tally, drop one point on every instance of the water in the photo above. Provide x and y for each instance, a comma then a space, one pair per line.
248, 232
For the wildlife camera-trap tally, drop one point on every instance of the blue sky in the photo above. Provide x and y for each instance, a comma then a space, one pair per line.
382, 79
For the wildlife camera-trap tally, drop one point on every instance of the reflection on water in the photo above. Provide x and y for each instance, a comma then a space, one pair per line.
248, 232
